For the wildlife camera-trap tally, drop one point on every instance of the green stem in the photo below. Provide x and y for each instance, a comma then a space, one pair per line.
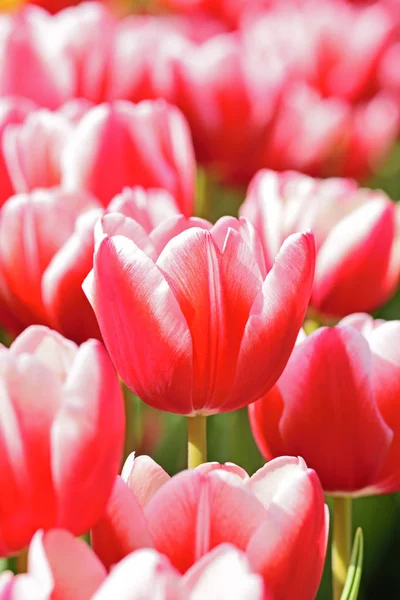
197, 441
341, 543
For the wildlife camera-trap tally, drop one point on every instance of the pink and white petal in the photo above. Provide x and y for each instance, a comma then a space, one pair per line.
353, 257
345, 458
122, 528
67, 307
266, 482
193, 513
275, 320
293, 538
118, 224
65, 565
224, 573
173, 226
144, 477
143, 575
87, 438
148, 207
49, 347
143, 326
230, 467
385, 351
201, 280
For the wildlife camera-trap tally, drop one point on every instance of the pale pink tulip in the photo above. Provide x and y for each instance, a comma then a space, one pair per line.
122, 144
61, 435
276, 517
356, 232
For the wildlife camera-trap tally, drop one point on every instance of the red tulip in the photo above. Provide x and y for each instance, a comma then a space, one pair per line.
124, 144
46, 246
61, 435
33, 64
276, 517
336, 403
188, 312
356, 233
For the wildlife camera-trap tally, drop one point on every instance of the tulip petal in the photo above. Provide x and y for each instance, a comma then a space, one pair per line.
145, 574
152, 351
66, 565
144, 477
87, 438
224, 573
294, 536
188, 516
275, 319
122, 528
355, 254
214, 290
327, 388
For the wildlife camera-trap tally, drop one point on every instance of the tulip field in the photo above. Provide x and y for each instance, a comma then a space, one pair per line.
199, 300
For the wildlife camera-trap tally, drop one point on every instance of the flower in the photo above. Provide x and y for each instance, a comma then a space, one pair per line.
336, 404
356, 232
188, 313
61, 435
277, 518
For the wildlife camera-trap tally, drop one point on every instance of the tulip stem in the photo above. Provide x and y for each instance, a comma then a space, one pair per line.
21, 561
341, 543
197, 441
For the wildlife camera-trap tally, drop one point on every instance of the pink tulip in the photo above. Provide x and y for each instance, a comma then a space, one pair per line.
62, 567
352, 438
33, 149
33, 63
46, 246
188, 312
61, 435
12, 110
276, 517
122, 144
21, 587
356, 234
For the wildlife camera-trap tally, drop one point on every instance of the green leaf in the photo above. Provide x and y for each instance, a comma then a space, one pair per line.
353, 578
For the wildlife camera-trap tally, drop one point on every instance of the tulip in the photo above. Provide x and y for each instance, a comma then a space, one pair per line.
12, 110
188, 312
63, 567
61, 435
34, 64
356, 234
356, 364
21, 587
46, 247
32, 150
122, 144
277, 518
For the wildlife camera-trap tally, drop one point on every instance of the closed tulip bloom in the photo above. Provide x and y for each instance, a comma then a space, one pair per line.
32, 150
63, 567
356, 232
12, 110
277, 518
336, 403
33, 64
122, 144
46, 248
188, 312
61, 435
